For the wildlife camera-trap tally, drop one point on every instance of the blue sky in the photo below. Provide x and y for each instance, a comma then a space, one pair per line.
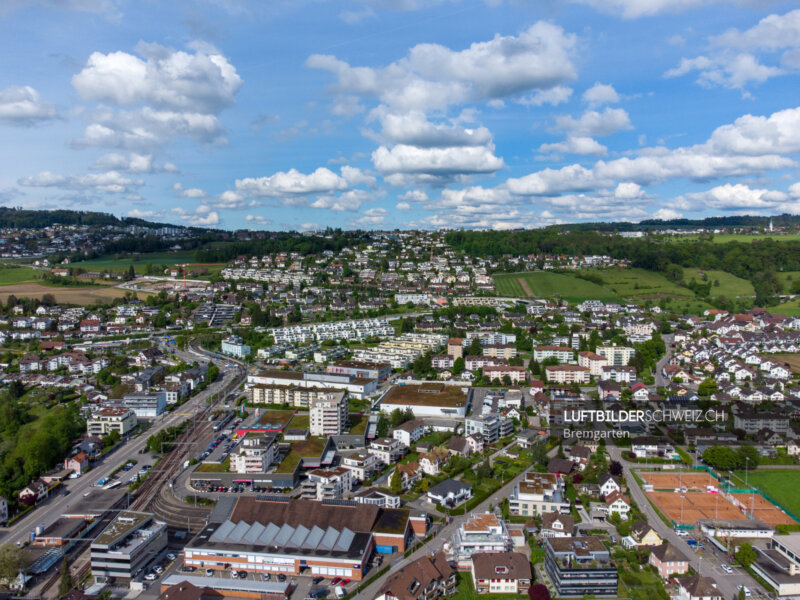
304, 114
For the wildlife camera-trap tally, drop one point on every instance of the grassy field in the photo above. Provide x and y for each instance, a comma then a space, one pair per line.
66, 295
791, 308
549, 285
729, 285
139, 262
724, 238
299, 421
779, 484
16, 275
222, 467
358, 423
638, 284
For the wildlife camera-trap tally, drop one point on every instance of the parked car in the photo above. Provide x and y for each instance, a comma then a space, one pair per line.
267, 576
727, 569
170, 556
209, 572
151, 577
281, 577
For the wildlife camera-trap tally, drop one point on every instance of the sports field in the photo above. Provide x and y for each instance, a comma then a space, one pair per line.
781, 485
542, 284
66, 295
671, 481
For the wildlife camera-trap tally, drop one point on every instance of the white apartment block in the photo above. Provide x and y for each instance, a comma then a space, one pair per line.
616, 355
328, 414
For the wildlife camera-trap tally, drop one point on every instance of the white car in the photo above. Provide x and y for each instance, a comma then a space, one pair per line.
170, 556
746, 589
151, 577
158, 569
727, 569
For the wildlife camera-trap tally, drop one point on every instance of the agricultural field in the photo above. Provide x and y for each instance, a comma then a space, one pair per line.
791, 308
66, 295
779, 484
638, 284
793, 360
729, 286
549, 285
15, 275
140, 262
724, 238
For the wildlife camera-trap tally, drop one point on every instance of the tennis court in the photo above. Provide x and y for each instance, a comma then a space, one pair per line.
763, 509
671, 481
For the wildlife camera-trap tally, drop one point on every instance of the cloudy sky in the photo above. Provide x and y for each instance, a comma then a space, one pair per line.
299, 114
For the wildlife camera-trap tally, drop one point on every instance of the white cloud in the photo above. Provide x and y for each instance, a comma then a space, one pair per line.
372, 217
436, 162
22, 106
347, 201
166, 93
778, 133
355, 176
132, 163
202, 216
595, 124
111, 182
771, 33
601, 93
351, 17
584, 146
403, 206
292, 183
730, 70
553, 96
194, 193
418, 196
414, 129
145, 214
633, 9
666, 214
172, 80
257, 220
432, 76
737, 197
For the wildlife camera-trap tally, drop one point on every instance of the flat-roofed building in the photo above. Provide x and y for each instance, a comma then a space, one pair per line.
580, 567
538, 493
112, 418
127, 545
428, 399
361, 369
327, 414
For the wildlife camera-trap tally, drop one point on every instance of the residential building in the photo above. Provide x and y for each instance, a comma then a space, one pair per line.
234, 346
409, 432
697, 587
362, 464
579, 567
450, 493
593, 362
567, 374
112, 418
538, 493
560, 353
556, 524
146, 405
328, 414
327, 484
127, 545
501, 573
481, 533
668, 560
616, 355
361, 369
256, 453
427, 578
387, 450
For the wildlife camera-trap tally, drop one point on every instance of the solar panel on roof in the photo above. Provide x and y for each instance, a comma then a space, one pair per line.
286, 532
300, 534
252, 535
345, 539
269, 534
222, 532
314, 537
237, 534
329, 539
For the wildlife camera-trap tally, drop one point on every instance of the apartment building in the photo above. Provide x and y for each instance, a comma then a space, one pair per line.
560, 353
256, 453
234, 346
580, 567
290, 395
616, 355
146, 405
501, 573
481, 533
387, 450
112, 418
515, 374
593, 362
328, 414
538, 493
327, 484
362, 464
127, 545
567, 374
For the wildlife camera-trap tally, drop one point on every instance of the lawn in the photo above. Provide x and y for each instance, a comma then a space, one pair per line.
724, 238
222, 467
358, 423
309, 447
299, 421
779, 484
791, 309
729, 285
639, 284
275, 418
548, 285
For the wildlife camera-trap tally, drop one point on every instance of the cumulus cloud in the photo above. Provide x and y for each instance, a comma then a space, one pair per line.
737, 197
436, 162
403, 206
202, 216
111, 181
553, 96
433, 76
633, 9
22, 106
595, 124
161, 93
347, 201
145, 214
414, 129
132, 163
372, 217
666, 214
194, 193
737, 58
584, 146
292, 183
601, 93
257, 220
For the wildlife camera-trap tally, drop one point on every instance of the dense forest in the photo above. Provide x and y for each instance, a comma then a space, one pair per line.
758, 261
39, 219
709, 222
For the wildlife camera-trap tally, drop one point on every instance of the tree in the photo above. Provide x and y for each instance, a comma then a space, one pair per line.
131, 274
539, 453
13, 561
745, 555
748, 452
742, 595
66, 582
615, 468
475, 348
396, 482
112, 437
538, 591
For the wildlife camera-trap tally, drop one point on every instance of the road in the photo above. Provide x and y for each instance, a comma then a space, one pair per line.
52, 509
662, 381
445, 534
707, 561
